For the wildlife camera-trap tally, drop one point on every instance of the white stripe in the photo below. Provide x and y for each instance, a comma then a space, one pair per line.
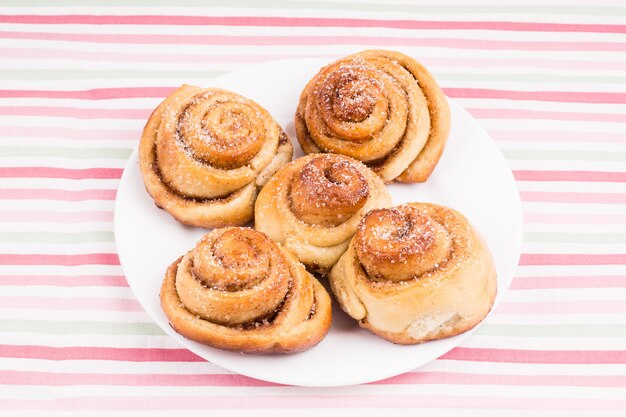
422, 390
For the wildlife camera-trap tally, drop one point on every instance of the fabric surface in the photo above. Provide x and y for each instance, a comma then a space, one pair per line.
77, 83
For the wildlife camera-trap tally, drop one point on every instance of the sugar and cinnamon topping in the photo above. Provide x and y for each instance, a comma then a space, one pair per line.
328, 189
399, 244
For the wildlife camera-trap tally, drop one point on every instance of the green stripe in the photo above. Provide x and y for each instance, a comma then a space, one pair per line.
564, 155
73, 153
565, 330
79, 327
327, 5
559, 237
74, 74
56, 237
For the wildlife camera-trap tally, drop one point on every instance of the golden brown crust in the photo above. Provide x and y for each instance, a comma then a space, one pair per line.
204, 153
328, 190
238, 290
313, 205
380, 107
415, 273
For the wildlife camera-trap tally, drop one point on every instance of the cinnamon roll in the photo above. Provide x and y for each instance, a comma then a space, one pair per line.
205, 153
380, 107
414, 273
314, 204
238, 290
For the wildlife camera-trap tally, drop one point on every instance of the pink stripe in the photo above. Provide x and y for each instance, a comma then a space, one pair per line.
183, 355
65, 379
569, 307
85, 303
558, 136
607, 381
549, 282
98, 353
75, 112
68, 133
149, 380
572, 259
546, 115
64, 281
56, 216
331, 400
537, 356
589, 176
51, 194
573, 197
208, 39
566, 218
49, 53
64, 260
94, 94
52, 172
558, 96
135, 92
222, 40
273, 21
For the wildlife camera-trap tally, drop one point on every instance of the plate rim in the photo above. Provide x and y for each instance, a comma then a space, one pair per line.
346, 381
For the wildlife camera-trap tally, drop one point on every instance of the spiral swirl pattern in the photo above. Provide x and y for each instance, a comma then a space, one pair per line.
414, 273
314, 204
380, 107
238, 290
204, 154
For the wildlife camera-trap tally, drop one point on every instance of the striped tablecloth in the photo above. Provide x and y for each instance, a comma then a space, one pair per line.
547, 80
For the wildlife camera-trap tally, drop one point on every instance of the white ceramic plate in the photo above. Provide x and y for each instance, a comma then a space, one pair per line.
472, 177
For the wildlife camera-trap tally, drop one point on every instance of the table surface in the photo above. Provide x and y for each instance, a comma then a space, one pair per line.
547, 80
